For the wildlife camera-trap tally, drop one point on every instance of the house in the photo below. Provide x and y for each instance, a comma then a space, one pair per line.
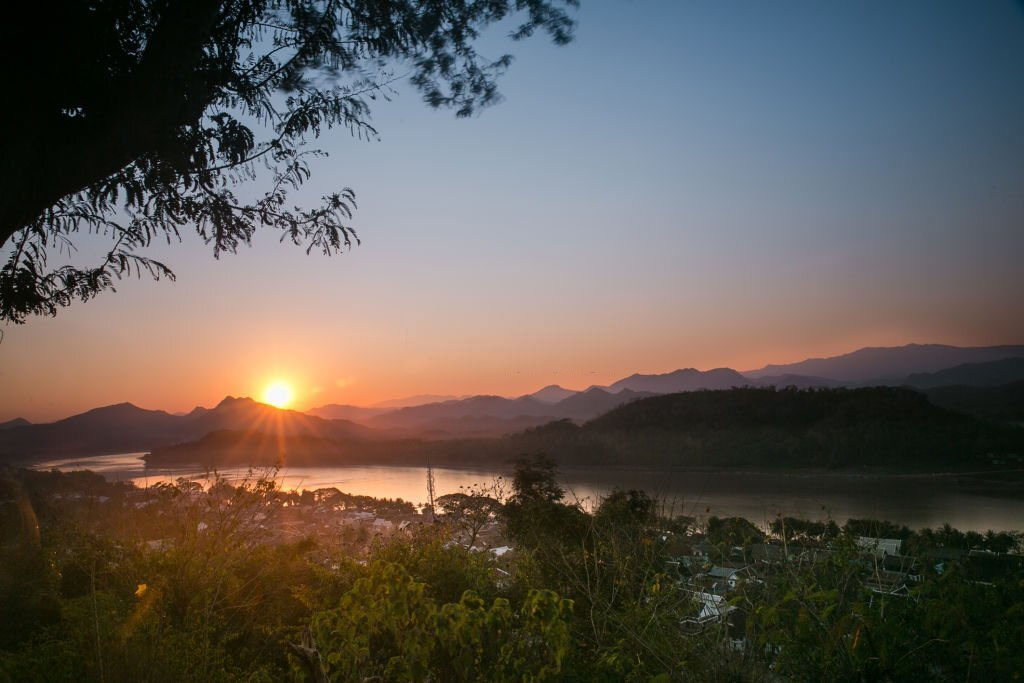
726, 578
711, 608
880, 546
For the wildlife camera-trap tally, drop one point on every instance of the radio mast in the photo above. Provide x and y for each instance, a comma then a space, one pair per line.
430, 489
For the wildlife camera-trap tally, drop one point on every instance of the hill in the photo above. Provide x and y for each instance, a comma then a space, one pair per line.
688, 379
890, 365
476, 406
991, 374
798, 381
552, 393
465, 427
417, 400
893, 429
16, 422
517, 413
1002, 404
879, 427
125, 428
338, 411
746, 408
593, 402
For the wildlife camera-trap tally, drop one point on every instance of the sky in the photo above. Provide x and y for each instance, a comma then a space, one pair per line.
687, 184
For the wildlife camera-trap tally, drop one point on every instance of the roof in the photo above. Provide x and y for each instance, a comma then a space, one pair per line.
723, 572
712, 607
881, 546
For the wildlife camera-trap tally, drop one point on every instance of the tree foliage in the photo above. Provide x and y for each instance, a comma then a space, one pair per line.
599, 598
471, 510
136, 119
388, 628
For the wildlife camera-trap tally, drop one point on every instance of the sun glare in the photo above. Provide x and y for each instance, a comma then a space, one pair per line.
277, 394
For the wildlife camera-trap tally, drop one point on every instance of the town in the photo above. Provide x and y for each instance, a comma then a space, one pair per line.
718, 583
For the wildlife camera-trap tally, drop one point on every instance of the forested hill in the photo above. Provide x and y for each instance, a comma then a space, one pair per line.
786, 409
877, 427
1003, 403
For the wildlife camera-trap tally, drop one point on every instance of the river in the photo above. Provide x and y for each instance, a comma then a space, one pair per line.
917, 501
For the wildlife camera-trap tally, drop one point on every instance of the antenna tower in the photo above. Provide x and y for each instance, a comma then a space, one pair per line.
430, 489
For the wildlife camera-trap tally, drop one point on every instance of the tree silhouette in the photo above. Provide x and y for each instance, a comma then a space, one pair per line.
137, 118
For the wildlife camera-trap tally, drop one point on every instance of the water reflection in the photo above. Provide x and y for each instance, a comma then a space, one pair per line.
914, 501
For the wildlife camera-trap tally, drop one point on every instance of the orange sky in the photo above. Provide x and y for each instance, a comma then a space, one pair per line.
150, 344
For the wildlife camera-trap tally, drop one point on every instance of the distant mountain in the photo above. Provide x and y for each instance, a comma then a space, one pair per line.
475, 406
124, 428
890, 365
525, 411
337, 411
418, 400
688, 379
593, 402
552, 394
992, 374
467, 427
245, 413
16, 422
118, 428
798, 381
887, 428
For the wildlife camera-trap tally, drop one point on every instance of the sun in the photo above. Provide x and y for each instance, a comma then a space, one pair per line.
278, 394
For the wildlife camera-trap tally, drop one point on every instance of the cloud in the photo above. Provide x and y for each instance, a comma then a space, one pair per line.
345, 382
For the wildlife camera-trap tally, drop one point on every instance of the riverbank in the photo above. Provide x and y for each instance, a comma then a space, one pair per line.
977, 500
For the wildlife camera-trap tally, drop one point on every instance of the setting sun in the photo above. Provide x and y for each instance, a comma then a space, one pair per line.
278, 394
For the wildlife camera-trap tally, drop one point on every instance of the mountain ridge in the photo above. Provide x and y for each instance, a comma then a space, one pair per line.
990, 374
890, 363
125, 427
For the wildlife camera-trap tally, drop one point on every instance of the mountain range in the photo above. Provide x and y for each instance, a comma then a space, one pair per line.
890, 365
916, 365
992, 374
125, 427
895, 429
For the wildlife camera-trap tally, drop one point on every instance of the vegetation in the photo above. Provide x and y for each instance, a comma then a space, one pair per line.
242, 581
138, 118
1003, 403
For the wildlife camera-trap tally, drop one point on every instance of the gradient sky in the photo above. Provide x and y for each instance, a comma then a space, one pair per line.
688, 184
